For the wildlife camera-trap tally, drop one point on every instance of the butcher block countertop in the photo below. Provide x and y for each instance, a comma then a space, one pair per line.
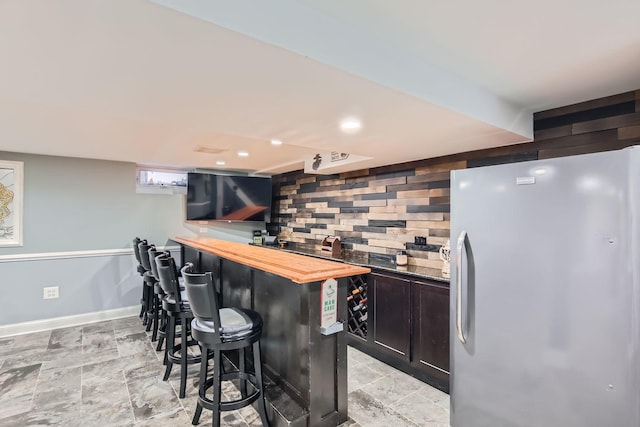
297, 268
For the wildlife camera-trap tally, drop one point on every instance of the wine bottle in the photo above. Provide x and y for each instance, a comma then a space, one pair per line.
357, 291
361, 305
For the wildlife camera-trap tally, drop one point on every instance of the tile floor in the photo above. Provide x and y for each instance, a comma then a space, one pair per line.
108, 374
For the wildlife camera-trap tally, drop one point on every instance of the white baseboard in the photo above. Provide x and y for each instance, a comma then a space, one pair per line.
66, 321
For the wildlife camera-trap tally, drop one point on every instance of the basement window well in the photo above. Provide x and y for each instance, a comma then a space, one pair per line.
161, 181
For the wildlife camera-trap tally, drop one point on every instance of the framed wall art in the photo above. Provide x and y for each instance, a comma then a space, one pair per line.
11, 180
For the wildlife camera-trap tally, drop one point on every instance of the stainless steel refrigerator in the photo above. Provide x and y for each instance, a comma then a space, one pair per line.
545, 294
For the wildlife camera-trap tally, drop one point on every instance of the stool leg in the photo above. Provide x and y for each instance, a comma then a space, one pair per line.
163, 328
183, 357
243, 369
145, 297
204, 366
142, 310
217, 364
149, 307
169, 346
156, 317
257, 362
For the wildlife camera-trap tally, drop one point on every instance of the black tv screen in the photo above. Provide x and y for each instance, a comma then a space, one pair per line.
228, 198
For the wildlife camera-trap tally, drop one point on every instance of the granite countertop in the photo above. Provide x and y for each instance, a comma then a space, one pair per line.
362, 259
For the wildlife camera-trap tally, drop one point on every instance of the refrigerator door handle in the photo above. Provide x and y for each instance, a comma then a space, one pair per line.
460, 245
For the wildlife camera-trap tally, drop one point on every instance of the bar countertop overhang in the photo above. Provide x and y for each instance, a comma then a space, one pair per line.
297, 268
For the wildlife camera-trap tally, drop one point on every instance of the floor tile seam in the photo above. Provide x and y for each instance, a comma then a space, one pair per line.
237, 410
184, 408
387, 407
177, 394
393, 406
446, 408
126, 384
408, 396
387, 378
118, 348
372, 381
373, 362
33, 393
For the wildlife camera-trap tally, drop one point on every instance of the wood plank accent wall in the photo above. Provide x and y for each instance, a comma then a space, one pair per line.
380, 210
377, 211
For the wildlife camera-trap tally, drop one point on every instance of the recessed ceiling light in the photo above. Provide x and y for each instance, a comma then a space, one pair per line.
221, 163
243, 153
350, 125
276, 142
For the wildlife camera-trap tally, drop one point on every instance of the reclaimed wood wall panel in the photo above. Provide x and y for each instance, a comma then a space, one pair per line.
598, 125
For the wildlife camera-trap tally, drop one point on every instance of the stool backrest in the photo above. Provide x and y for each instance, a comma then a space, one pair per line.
168, 276
143, 250
153, 253
136, 250
203, 297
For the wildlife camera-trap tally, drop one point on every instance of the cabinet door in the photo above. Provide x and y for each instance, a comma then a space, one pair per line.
236, 284
431, 328
391, 314
211, 262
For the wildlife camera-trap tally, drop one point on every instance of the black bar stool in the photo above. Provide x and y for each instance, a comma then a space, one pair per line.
159, 295
141, 271
149, 281
176, 305
218, 330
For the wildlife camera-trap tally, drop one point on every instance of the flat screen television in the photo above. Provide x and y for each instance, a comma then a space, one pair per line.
213, 197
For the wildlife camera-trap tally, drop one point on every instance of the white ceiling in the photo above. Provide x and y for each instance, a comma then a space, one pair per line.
150, 82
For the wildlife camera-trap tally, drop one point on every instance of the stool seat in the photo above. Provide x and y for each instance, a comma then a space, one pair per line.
235, 324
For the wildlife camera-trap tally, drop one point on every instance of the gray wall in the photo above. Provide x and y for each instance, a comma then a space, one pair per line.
78, 204
82, 205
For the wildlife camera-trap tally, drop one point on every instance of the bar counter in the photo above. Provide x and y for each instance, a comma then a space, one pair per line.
295, 267
306, 368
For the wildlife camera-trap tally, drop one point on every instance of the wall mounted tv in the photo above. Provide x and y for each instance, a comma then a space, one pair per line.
213, 197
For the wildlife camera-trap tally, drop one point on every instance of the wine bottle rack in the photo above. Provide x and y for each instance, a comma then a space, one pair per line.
357, 305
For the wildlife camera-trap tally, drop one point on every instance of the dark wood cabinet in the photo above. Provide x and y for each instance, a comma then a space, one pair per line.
391, 303
430, 321
408, 324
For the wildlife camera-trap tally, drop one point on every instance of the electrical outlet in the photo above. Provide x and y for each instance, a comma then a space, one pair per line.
203, 229
50, 292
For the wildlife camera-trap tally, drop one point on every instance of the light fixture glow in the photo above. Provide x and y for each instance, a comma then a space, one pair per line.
350, 125
276, 142
540, 171
243, 153
221, 163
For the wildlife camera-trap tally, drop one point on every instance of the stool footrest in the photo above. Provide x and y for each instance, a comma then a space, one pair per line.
231, 405
176, 349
